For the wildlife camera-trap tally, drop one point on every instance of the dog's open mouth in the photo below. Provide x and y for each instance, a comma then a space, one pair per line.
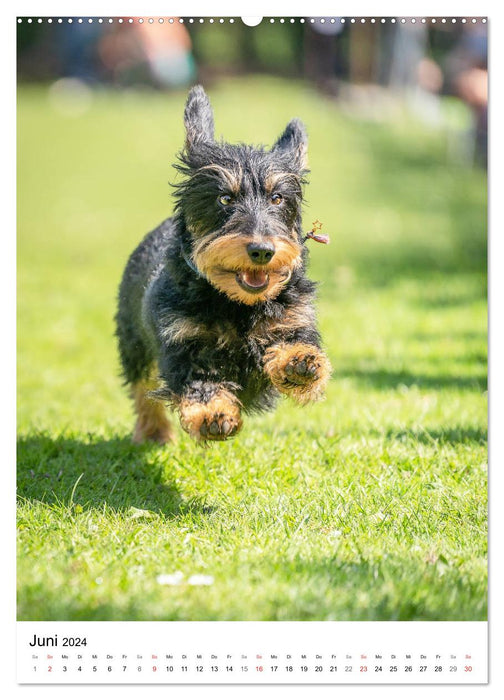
253, 281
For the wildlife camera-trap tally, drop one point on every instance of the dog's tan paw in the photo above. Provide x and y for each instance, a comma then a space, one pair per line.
218, 419
298, 370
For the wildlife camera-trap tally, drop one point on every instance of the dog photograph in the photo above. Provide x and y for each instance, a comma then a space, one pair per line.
217, 296
251, 319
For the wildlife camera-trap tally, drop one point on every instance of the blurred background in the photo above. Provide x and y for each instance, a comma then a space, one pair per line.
439, 68
397, 120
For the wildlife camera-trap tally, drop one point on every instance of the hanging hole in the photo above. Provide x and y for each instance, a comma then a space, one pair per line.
251, 21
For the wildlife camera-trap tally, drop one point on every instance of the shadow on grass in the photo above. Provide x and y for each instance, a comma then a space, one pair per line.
383, 380
115, 472
408, 177
450, 299
461, 336
448, 436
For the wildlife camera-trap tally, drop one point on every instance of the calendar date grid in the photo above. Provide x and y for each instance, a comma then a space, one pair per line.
239, 652
251, 664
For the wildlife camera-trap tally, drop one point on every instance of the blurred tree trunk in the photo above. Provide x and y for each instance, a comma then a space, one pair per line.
362, 54
249, 57
320, 59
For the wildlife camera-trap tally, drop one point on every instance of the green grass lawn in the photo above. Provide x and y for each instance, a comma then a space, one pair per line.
369, 506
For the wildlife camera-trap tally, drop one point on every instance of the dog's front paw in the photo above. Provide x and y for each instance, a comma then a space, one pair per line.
217, 419
302, 369
298, 370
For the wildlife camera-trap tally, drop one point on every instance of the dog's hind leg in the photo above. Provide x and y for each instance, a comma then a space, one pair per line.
152, 423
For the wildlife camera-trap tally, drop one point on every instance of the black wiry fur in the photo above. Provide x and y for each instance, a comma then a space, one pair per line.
160, 284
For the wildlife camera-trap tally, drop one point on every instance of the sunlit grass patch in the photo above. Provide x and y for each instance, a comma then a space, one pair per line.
370, 505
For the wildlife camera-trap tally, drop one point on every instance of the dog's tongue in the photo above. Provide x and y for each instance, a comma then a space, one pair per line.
254, 278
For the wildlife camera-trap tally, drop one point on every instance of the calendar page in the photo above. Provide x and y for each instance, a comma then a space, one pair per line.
252, 349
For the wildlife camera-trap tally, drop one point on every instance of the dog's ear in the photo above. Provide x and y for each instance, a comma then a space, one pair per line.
294, 142
198, 118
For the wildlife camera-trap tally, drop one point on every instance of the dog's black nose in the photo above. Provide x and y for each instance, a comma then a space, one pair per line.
261, 253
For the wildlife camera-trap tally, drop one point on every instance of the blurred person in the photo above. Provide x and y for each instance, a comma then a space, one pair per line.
414, 74
467, 78
320, 63
168, 51
121, 54
409, 47
77, 51
157, 53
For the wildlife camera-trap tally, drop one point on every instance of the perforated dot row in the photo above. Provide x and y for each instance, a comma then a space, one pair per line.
121, 20
231, 20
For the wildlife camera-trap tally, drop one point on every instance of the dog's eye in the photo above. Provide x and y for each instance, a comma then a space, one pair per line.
225, 199
276, 198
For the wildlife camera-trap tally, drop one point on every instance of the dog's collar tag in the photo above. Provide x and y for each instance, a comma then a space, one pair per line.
319, 237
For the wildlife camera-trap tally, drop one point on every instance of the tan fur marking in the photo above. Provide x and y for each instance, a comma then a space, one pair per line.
302, 388
233, 179
230, 253
152, 423
179, 330
272, 180
300, 316
297, 317
223, 257
223, 410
